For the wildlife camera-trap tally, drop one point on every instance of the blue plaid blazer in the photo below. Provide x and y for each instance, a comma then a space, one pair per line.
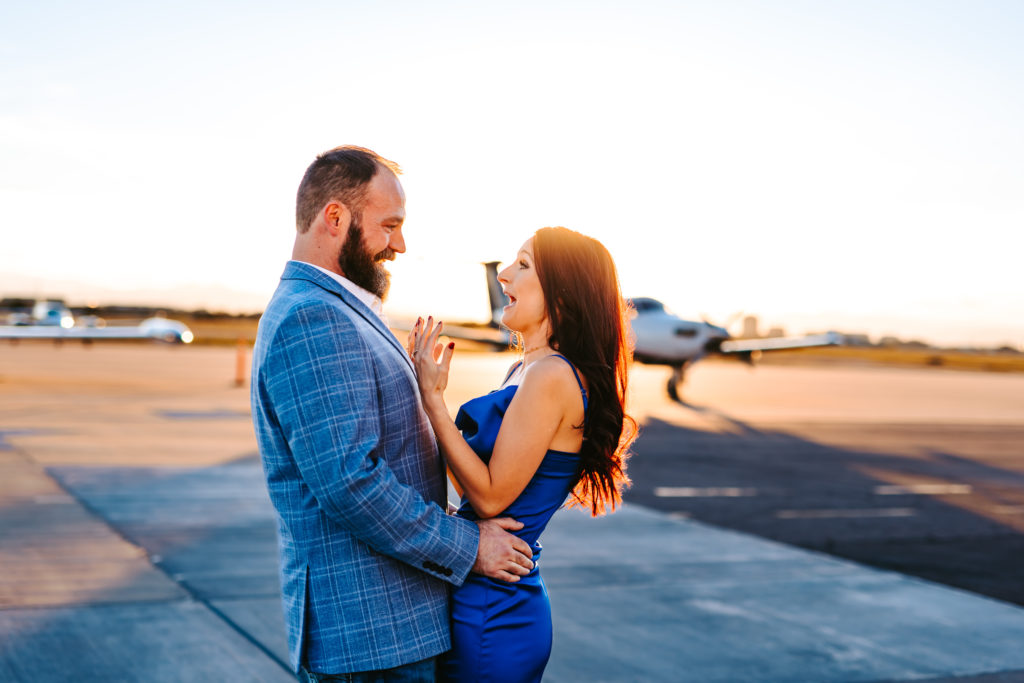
366, 548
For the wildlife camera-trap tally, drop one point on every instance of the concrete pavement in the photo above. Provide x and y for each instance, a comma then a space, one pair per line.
168, 574
137, 544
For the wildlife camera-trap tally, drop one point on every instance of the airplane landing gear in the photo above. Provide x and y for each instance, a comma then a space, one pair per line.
675, 382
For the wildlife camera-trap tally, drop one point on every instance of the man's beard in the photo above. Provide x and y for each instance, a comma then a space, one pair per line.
362, 268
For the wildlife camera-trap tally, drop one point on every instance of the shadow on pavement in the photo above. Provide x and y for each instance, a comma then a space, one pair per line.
964, 528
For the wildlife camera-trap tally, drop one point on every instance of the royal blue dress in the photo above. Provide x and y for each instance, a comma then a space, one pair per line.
502, 631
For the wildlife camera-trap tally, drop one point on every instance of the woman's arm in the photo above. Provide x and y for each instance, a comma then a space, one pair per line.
455, 482
529, 426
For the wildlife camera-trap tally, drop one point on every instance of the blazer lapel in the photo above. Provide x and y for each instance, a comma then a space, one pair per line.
304, 271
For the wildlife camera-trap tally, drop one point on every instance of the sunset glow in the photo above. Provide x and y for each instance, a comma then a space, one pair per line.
850, 166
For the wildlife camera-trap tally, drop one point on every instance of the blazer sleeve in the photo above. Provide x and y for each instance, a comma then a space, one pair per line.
320, 380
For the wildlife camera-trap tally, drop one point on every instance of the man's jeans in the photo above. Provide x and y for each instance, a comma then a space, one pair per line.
424, 671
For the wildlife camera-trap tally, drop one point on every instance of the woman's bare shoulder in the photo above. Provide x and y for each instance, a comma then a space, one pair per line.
551, 373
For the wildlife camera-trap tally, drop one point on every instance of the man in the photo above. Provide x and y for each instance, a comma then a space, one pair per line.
352, 466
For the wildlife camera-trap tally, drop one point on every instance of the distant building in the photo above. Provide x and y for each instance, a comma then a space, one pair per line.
857, 339
750, 324
777, 332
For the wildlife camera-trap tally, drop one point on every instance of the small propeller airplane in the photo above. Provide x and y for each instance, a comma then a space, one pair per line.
661, 337
51, 319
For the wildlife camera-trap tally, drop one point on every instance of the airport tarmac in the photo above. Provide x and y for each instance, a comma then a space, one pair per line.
916, 470
137, 542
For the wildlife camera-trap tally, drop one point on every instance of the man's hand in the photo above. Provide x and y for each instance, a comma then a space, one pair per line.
500, 554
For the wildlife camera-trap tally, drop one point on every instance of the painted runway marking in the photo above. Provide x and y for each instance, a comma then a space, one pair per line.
845, 514
749, 492
52, 498
712, 492
924, 489
202, 414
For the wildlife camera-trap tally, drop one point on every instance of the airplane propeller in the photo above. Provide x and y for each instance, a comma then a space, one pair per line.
729, 322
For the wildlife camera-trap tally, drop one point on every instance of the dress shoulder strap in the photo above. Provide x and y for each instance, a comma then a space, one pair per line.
513, 369
578, 381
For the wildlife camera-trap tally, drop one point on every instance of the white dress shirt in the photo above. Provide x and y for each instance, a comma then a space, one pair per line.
372, 301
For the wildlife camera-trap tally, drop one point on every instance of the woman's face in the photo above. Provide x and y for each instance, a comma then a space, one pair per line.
525, 312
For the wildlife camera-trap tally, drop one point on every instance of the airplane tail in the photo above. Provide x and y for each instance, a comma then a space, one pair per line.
494, 293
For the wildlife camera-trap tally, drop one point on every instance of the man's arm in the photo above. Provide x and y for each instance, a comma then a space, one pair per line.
321, 382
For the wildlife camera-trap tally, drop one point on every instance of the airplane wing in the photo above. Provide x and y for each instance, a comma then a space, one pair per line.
160, 329
779, 343
492, 333
496, 338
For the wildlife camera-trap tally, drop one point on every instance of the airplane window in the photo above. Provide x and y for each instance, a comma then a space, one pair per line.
687, 332
645, 305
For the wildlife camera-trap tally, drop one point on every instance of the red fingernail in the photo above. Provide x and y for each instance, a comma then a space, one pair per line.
451, 345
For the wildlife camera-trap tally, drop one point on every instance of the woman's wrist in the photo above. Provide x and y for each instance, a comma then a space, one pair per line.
433, 404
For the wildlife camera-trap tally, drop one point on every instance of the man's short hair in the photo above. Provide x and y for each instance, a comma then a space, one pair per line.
340, 174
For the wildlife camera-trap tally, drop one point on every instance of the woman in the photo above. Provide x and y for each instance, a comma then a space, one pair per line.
555, 426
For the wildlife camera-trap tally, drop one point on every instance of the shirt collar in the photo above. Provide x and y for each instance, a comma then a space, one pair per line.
372, 301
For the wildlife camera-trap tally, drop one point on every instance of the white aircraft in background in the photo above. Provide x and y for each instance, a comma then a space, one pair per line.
661, 337
52, 320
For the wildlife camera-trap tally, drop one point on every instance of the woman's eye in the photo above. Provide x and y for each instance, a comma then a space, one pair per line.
522, 265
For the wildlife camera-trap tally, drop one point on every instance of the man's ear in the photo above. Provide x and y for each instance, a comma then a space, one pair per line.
337, 218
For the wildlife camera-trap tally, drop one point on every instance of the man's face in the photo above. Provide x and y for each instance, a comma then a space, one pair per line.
375, 235
360, 265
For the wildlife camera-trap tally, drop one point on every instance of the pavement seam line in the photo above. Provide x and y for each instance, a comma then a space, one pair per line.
184, 587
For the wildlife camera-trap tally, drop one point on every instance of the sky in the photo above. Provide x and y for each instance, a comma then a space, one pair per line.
856, 166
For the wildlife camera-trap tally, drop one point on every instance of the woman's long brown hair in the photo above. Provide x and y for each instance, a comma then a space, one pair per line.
589, 323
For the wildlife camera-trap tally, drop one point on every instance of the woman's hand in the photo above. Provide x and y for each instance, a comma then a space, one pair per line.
431, 360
